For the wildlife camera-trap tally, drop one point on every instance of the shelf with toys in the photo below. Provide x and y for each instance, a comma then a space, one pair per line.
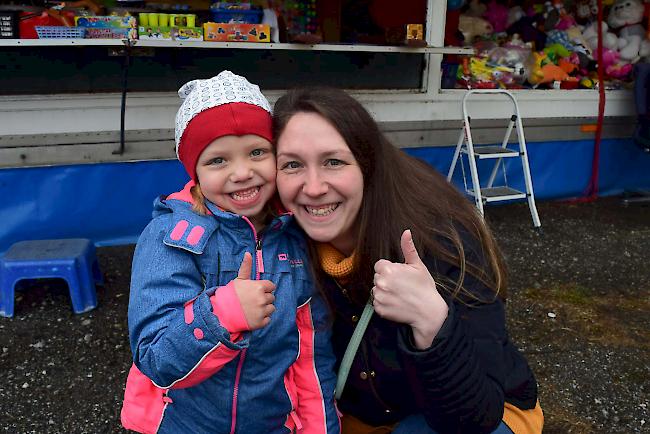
545, 44
234, 45
364, 47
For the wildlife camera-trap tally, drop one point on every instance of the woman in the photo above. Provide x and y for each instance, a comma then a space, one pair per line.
436, 357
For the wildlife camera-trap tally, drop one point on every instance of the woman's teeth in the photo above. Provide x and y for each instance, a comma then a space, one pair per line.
247, 194
321, 211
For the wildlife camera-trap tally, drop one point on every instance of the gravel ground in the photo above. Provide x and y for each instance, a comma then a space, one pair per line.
579, 308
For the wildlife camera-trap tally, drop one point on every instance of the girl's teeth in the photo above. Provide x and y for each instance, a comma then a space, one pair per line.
321, 211
245, 194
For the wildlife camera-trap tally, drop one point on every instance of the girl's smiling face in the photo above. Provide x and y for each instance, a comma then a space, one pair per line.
237, 173
319, 180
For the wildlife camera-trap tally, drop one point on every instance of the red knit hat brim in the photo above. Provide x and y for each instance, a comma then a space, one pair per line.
234, 119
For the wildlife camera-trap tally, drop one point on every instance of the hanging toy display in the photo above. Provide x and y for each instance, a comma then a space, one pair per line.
301, 17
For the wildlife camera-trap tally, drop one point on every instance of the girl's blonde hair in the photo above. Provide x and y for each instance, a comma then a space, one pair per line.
198, 200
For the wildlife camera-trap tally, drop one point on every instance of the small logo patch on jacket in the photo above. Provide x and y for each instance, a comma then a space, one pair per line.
293, 262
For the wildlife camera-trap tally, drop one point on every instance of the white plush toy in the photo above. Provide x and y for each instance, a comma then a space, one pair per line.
626, 16
590, 35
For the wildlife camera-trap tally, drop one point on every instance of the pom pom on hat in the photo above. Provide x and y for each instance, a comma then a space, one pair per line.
226, 104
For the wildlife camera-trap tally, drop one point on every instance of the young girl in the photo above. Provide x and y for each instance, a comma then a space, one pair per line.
222, 342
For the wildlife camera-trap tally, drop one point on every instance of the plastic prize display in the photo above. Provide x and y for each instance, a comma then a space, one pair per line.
235, 13
60, 32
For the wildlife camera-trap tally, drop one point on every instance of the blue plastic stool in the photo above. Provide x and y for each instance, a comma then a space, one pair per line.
73, 260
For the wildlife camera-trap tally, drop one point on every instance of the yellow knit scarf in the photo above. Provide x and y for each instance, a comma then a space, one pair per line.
334, 262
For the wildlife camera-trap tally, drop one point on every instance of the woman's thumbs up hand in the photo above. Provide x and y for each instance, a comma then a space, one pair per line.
406, 293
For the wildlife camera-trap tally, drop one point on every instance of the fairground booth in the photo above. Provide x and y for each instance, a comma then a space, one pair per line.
88, 92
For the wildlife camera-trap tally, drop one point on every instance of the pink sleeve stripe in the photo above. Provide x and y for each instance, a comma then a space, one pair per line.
188, 312
311, 404
209, 365
226, 306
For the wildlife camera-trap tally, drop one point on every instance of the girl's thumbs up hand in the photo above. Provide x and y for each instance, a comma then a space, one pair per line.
406, 293
255, 296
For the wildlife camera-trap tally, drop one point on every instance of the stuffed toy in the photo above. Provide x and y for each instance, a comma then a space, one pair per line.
475, 9
614, 67
515, 14
590, 36
527, 28
586, 11
626, 16
472, 27
543, 70
514, 57
497, 16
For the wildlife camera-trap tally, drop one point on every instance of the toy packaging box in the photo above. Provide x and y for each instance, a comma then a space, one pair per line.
106, 22
236, 32
108, 27
110, 33
159, 33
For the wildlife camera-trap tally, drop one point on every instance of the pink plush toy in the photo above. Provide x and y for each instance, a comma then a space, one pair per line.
613, 65
497, 15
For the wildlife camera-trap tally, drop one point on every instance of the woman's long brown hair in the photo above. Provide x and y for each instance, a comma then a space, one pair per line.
400, 192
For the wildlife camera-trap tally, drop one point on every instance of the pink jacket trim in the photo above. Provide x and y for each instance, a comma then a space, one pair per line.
144, 403
311, 407
209, 365
195, 235
226, 306
185, 195
179, 230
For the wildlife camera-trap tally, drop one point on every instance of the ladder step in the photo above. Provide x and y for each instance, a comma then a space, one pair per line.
484, 152
496, 194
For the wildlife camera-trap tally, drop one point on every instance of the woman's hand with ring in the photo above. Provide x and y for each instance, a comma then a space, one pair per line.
406, 293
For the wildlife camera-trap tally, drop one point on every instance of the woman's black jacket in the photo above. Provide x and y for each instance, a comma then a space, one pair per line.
459, 384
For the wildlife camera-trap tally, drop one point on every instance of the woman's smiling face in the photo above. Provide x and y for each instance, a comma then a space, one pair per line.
319, 180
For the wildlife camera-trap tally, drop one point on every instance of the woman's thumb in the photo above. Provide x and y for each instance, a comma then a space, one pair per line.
408, 249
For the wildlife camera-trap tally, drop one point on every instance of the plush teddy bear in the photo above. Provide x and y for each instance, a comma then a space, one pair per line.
590, 36
626, 16
472, 27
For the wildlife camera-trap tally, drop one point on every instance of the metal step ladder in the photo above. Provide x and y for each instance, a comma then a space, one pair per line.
465, 145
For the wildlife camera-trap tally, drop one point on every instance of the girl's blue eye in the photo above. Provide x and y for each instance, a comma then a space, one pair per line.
216, 161
258, 152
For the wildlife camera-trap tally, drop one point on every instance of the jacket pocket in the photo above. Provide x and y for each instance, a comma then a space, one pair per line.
293, 423
144, 403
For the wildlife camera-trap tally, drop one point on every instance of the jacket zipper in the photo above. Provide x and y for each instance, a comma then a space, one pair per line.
259, 268
235, 391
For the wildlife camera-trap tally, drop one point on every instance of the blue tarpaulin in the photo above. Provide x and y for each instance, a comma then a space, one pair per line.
110, 203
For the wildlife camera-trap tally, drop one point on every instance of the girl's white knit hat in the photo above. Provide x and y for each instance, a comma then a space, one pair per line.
228, 104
